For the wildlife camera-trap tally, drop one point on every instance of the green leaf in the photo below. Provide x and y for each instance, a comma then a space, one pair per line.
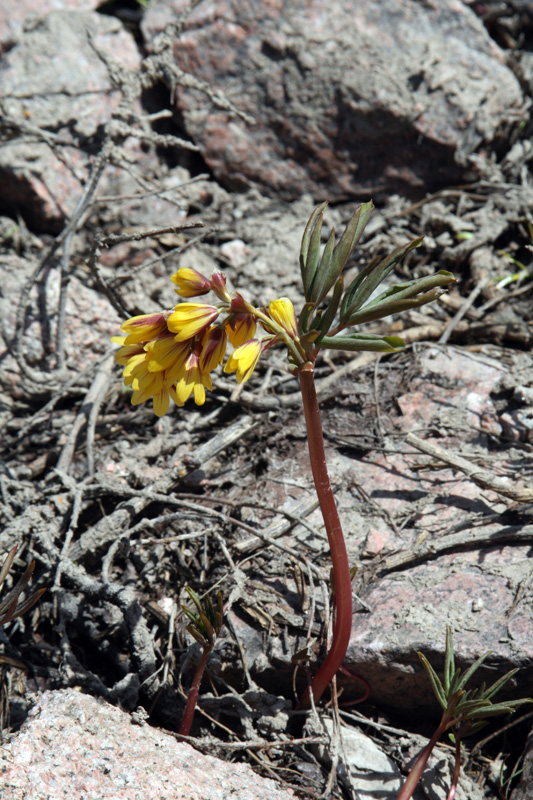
403, 291
316, 293
303, 320
197, 635
333, 261
363, 341
364, 284
310, 247
393, 306
473, 668
328, 315
436, 685
449, 660
499, 684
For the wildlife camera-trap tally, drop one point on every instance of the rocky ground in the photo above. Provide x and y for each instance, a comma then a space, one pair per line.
139, 138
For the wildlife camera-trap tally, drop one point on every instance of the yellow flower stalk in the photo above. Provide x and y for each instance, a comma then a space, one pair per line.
244, 359
189, 319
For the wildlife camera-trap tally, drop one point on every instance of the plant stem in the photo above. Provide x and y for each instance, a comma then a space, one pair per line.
192, 699
342, 620
456, 769
406, 792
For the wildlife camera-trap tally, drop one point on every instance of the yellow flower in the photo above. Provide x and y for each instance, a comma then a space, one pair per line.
189, 319
240, 328
153, 364
168, 355
144, 328
213, 348
244, 359
146, 384
190, 282
194, 380
282, 312
123, 355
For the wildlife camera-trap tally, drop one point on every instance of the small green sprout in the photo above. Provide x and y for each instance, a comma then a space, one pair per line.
464, 711
204, 626
9, 605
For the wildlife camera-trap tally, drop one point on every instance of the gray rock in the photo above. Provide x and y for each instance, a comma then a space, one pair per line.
351, 99
55, 92
15, 14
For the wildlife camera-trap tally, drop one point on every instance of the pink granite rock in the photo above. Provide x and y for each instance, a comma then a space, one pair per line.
349, 99
85, 749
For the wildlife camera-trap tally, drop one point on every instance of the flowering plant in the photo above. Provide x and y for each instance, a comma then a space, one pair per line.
172, 354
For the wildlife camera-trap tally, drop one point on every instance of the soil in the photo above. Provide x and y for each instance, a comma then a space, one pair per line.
122, 511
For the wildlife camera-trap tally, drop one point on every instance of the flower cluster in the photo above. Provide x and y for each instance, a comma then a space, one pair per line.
172, 354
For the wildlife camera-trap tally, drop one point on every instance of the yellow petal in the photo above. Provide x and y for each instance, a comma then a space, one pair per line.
244, 359
188, 319
282, 312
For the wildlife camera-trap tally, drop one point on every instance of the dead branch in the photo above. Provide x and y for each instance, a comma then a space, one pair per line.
481, 477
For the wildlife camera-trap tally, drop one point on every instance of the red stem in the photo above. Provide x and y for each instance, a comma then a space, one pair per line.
406, 792
456, 769
192, 699
342, 618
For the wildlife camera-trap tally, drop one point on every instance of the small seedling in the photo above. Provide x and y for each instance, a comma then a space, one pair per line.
204, 626
464, 711
9, 605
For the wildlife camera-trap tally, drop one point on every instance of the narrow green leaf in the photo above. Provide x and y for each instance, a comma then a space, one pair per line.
351, 235
306, 238
330, 269
491, 711
393, 306
310, 248
194, 597
436, 685
7, 564
449, 660
360, 290
499, 684
190, 614
28, 603
217, 624
197, 635
360, 341
473, 668
403, 291
303, 320
205, 624
328, 315
321, 276
467, 707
